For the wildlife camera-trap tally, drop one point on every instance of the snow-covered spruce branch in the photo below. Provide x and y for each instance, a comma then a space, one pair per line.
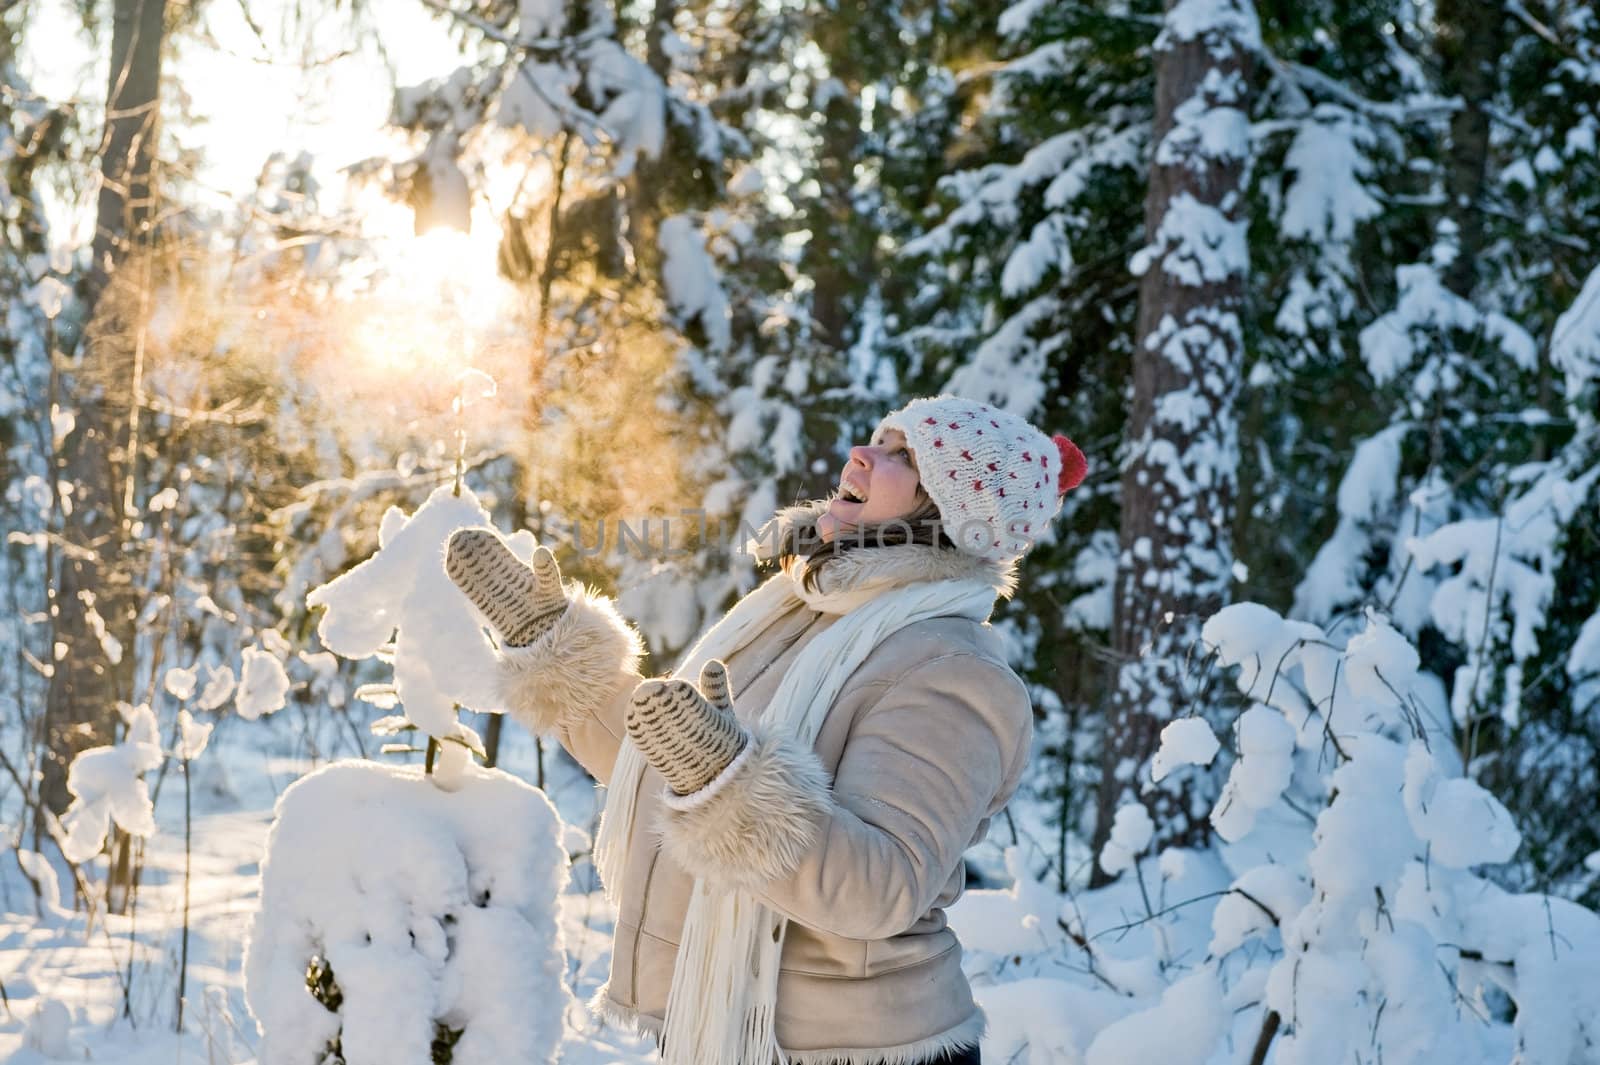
1316, 82
578, 117
548, 45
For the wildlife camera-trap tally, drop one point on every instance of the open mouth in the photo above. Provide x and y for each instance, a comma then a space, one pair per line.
850, 495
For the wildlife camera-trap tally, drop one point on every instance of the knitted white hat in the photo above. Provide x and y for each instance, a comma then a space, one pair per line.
996, 479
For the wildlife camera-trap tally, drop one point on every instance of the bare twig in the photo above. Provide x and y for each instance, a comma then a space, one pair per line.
1483, 640
1327, 719
1130, 925
1263, 907
188, 835
1269, 1030
1088, 951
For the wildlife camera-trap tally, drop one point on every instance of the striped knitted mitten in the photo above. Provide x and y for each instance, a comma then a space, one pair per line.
523, 603
688, 734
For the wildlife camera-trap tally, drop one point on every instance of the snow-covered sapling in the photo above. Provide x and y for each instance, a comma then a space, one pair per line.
408, 917
403, 924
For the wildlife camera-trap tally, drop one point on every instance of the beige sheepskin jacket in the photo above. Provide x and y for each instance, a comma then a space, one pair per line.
858, 841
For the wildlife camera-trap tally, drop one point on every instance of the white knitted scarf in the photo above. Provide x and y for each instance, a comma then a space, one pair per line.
721, 1008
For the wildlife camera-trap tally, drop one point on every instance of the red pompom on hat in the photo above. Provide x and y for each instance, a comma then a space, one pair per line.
1074, 467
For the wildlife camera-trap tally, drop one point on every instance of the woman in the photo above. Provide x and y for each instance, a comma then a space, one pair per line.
786, 815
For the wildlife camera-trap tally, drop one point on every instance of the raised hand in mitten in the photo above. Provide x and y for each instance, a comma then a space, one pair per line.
522, 602
688, 734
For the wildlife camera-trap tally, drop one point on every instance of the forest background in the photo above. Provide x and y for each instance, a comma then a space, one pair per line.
1315, 286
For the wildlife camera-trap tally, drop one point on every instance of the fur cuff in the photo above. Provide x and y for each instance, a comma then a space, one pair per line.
755, 822
572, 672
614, 1013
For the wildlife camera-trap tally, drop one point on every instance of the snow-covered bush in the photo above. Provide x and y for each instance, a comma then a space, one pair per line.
408, 915
1342, 918
405, 924
1390, 946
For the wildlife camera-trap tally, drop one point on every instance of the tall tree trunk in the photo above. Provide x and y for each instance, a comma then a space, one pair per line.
1471, 35
1180, 474
639, 204
840, 256
91, 610
129, 140
839, 267
36, 139
655, 37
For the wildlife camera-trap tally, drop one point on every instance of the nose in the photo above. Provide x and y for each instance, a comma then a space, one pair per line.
862, 455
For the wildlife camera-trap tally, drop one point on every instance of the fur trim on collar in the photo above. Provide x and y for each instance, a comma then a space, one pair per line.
894, 564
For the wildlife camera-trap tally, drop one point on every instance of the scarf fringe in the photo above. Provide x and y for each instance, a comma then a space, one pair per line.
611, 838
724, 985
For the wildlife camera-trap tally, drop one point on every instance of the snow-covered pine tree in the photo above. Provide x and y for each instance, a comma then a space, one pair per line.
655, 281
1523, 566
810, 89
1334, 199
1477, 360
1012, 177
1175, 564
728, 257
1014, 277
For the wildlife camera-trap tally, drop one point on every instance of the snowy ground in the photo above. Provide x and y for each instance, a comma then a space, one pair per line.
64, 981
1361, 927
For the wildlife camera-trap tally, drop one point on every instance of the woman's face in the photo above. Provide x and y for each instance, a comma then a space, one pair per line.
878, 484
